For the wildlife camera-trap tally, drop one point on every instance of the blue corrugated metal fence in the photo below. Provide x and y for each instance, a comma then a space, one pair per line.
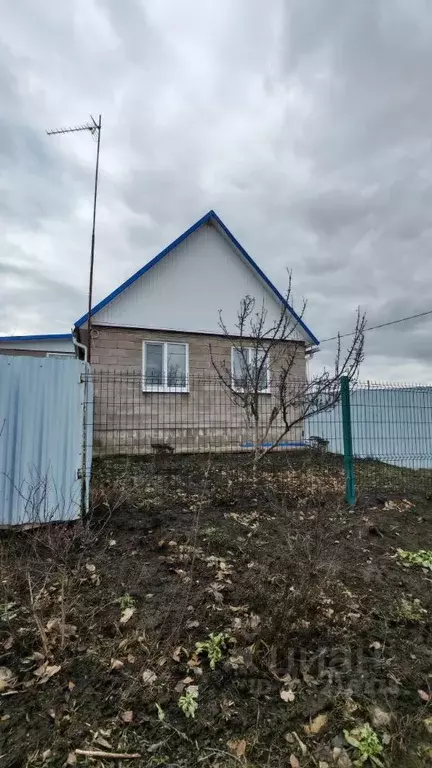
44, 441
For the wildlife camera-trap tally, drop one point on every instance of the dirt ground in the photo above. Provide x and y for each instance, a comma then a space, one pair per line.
311, 623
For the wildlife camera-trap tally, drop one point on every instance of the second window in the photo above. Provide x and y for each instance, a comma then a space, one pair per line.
249, 369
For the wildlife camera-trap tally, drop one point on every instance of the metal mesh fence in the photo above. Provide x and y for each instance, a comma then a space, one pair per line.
391, 426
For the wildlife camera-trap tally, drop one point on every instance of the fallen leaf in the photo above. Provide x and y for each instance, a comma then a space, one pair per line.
191, 624
287, 695
237, 747
127, 716
116, 664
46, 754
3, 718
45, 671
91, 568
161, 713
112, 542
380, 718
126, 615
131, 658
323, 764
52, 624
7, 679
301, 744
423, 695
7, 645
176, 653
294, 763
255, 621
317, 724
148, 677
71, 685
428, 724
375, 645
71, 759
99, 739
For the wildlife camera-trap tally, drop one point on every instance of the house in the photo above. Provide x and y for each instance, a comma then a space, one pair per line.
40, 345
151, 339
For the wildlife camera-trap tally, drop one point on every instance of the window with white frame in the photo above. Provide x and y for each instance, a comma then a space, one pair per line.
165, 366
250, 369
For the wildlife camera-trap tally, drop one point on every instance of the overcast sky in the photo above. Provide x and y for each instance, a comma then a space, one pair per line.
305, 124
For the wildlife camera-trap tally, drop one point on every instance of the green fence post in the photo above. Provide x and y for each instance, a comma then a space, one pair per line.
350, 492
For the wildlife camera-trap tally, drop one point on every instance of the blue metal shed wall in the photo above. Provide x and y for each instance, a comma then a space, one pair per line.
41, 438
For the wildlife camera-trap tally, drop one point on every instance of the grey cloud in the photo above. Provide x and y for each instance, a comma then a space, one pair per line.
304, 124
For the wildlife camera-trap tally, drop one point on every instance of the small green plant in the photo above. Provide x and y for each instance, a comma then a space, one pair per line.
410, 610
126, 601
423, 557
161, 713
214, 647
210, 530
188, 701
7, 612
367, 743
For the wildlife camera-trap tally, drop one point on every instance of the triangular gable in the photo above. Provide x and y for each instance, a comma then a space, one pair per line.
138, 307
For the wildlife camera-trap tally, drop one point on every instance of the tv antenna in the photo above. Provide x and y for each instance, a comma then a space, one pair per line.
94, 129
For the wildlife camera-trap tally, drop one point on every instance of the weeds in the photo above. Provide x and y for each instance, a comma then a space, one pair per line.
127, 601
188, 702
423, 557
367, 743
410, 610
214, 647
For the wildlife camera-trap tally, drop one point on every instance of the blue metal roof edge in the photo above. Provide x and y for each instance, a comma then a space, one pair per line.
264, 277
206, 218
37, 337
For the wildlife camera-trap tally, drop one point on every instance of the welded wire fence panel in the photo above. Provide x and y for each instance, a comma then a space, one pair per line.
391, 425
391, 428
133, 416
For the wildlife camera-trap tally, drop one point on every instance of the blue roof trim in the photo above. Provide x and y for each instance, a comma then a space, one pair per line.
211, 215
38, 337
265, 278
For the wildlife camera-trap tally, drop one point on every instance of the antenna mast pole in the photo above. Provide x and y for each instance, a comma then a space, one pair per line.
95, 129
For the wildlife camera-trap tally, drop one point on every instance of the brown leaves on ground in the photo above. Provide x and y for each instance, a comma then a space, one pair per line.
316, 725
7, 679
46, 671
127, 615
237, 747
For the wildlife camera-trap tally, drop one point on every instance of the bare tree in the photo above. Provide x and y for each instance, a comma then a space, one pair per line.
265, 356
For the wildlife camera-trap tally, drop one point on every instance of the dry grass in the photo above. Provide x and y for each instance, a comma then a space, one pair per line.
100, 622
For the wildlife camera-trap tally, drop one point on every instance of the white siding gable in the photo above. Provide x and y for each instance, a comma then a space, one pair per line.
186, 289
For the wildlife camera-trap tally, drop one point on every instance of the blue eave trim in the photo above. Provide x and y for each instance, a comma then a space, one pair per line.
211, 215
264, 277
38, 337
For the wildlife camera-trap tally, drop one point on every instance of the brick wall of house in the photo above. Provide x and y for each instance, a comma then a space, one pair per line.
128, 420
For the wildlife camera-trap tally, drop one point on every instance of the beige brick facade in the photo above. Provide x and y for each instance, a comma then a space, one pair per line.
128, 420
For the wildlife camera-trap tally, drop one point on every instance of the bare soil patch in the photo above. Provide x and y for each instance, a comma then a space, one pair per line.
279, 616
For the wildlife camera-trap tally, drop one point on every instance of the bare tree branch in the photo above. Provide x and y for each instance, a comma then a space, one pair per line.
265, 358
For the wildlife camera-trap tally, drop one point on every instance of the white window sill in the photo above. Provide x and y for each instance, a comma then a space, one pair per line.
173, 390
261, 391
